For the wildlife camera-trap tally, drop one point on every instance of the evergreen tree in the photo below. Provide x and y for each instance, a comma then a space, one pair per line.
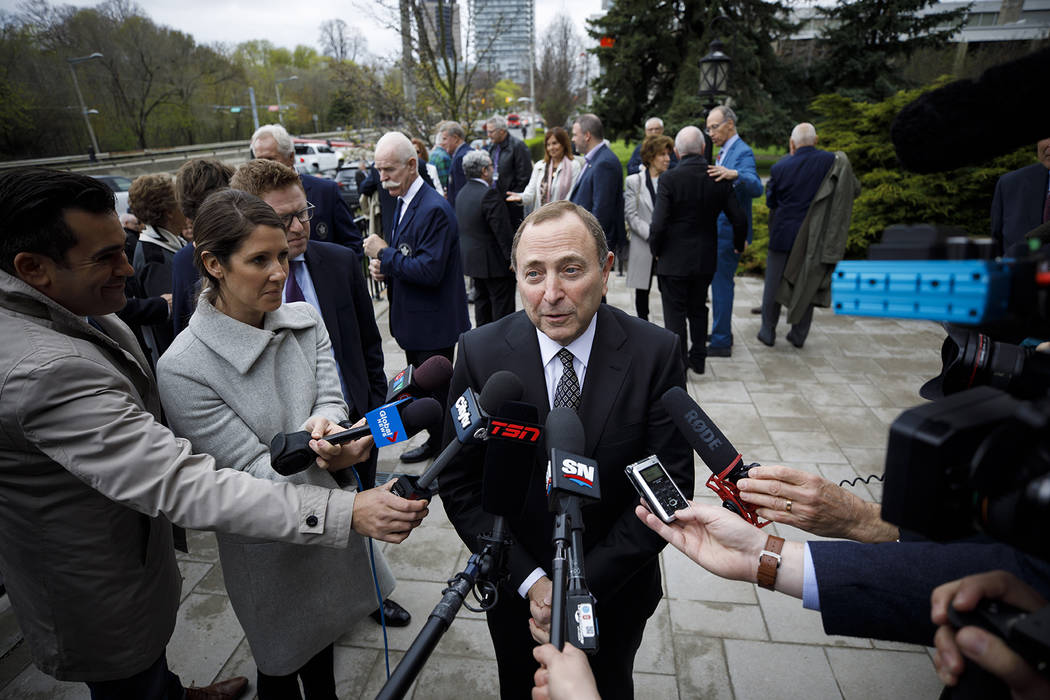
866, 43
653, 67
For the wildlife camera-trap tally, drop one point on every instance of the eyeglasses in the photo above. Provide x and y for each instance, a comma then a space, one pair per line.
304, 215
709, 129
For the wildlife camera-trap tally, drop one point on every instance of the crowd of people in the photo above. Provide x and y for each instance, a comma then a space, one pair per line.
149, 359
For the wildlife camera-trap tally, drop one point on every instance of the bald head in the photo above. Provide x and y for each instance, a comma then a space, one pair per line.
803, 135
689, 142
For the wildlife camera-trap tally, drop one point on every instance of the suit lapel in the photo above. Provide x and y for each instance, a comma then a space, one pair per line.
406, 218
607, 369
523, 349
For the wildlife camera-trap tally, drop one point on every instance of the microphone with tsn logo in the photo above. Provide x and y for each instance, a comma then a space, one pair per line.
389, 424
572, 482
470, 414
432, 375
726, 464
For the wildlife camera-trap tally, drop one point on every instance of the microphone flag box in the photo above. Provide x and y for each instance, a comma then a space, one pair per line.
468, 419
399, 383
514, 431
385, 423
571, 473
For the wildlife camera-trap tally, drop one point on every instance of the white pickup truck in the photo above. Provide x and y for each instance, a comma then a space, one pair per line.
316, 157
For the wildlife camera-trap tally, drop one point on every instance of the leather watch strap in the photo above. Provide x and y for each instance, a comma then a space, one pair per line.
769, 562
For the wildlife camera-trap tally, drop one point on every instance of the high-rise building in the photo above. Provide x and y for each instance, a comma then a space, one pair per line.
441, 18
503, 33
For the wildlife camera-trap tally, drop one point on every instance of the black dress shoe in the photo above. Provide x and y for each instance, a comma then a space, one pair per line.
418, 454
756, 310
395, 615
766, 339
697, 367
716, 351
229, 689
795, 341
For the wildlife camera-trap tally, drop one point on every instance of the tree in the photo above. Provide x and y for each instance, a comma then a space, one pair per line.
341, 42
866, 43
559, 77
652, 69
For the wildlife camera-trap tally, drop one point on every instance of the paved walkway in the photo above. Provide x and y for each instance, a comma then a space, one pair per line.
825, 408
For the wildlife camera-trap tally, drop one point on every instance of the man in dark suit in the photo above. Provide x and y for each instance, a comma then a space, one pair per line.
599, 187
1022, 200
793, 183
654, 126
452, 138
485, 235
512, 163
421, 265
330, 278
571, 350
683, 237
332, 220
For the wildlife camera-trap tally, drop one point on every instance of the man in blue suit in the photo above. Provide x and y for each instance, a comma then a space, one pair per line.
421, 265
1022, 200
599, 188
452, 138
736, 164
332, 221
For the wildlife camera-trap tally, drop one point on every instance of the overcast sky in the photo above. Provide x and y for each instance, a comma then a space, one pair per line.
281, 22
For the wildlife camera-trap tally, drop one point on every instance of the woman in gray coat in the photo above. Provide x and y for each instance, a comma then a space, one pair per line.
639, 196
248, 367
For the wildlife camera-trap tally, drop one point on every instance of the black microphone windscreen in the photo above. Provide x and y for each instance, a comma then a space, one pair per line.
948, 128
433, 374
422, 413
564, 431
501, 387
508, 464
699, 430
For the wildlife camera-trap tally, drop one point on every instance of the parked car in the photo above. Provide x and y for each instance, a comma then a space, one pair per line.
315, 157
348, 187
120, 186
513, 120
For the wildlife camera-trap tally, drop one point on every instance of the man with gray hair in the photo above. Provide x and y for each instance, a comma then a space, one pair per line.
654, 126
808, 180
683, 237
512, 166
452, 138
735, 164
420, 263
485, 234
332, 220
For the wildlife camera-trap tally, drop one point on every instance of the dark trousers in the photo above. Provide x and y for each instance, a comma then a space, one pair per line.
641, 303
685, 299
317, 675
776, 260
494, 300
418, 357
619, 637
155, 683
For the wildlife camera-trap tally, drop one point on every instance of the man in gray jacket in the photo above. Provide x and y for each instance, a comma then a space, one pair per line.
90, 479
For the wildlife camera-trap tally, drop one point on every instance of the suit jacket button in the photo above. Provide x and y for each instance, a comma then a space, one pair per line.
311, 521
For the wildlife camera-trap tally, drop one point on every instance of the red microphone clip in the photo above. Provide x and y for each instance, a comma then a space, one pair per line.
730, 495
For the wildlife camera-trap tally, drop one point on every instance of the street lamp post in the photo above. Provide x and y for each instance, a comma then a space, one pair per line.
76, 86
277, 84
714, 70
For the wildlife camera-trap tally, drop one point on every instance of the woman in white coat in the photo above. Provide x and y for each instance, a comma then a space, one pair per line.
553, 177
246, 368
639, 196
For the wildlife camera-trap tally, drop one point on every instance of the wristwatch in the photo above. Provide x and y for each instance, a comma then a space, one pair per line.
769, 562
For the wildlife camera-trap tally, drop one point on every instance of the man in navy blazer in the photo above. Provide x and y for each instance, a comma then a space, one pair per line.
452, 138
421, 265
332, 220
735, 164
1022, 200
599, 188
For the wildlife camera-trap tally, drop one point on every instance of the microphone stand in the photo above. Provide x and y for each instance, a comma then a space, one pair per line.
487, 569
571, 597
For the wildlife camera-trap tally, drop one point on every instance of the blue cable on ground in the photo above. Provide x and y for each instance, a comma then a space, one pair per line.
375, 580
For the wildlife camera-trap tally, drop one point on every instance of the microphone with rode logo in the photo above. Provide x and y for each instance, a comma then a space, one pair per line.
572, 481
726, 464
432, 375
389, 424
470, 415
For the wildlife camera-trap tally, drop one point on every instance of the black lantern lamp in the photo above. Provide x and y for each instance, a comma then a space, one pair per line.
714, 73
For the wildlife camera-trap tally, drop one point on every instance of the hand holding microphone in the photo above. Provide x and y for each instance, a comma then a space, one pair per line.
336, 457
